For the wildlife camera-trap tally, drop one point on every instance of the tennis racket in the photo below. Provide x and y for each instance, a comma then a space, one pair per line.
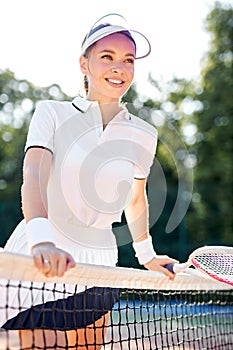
215, 261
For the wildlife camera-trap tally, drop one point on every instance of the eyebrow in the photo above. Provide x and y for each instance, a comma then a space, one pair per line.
113, 52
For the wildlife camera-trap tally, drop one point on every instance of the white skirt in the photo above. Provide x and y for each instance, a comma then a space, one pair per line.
23, 298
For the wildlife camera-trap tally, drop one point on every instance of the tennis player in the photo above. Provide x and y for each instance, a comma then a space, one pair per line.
85, 162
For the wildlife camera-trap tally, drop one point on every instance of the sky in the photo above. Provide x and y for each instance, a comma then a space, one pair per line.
40, 39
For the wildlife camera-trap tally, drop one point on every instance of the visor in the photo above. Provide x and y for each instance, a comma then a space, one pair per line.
110, 24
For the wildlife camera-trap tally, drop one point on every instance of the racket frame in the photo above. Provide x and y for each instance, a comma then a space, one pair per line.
177, 268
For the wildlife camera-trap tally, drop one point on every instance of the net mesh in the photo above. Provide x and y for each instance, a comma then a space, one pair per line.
126, 309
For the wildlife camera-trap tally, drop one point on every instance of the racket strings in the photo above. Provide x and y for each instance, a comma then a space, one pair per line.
216, 264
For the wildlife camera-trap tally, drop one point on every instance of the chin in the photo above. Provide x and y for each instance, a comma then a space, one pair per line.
119, 94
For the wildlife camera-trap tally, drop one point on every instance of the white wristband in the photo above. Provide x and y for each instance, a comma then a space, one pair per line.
144, 250
39, 230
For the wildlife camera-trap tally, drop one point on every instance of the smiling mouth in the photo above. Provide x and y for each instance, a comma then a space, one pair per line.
115, 81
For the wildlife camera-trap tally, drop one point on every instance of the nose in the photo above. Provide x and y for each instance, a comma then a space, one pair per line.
115, 70
117, 67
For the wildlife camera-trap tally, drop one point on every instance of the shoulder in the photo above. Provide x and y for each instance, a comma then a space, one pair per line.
53, 104
56, 111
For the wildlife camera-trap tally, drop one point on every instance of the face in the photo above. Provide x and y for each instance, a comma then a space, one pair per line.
109, 67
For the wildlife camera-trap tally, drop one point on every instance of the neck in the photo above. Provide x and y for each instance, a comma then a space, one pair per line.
109, 106
109, 110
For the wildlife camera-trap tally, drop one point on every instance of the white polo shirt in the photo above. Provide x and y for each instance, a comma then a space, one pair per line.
93, 169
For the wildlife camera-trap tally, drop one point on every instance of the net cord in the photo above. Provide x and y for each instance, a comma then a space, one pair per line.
21, 267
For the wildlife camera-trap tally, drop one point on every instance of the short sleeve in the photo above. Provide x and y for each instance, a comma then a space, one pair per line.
42, 127
147, 154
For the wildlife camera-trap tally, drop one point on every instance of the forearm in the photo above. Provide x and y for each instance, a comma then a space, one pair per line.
34, 201
137, 217
36, 172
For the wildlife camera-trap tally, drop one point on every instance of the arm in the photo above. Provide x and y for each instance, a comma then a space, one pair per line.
137, 216
36, 170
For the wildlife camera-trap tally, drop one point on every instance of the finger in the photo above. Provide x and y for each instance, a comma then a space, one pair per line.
38, 261
71, 262
61, 266
51, 267
168, 273
46, 265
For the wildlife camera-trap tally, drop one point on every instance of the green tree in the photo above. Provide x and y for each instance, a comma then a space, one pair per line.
211, 219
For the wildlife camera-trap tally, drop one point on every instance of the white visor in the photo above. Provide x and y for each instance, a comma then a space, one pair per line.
101, 29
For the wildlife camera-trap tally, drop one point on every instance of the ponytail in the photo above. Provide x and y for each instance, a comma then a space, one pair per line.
85, 83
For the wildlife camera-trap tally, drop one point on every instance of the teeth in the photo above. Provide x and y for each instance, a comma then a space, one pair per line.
114, 81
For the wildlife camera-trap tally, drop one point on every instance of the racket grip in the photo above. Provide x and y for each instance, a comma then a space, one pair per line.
176, 268
170, 267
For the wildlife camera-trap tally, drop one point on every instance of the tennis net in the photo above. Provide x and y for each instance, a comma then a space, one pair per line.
147, 310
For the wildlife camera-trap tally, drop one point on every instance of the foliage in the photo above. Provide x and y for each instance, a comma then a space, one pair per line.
213, 174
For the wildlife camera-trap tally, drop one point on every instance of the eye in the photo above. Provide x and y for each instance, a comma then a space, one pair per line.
107, 57
129, 60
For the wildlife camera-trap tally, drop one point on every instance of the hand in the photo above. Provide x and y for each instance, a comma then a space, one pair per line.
50, 260
158, 263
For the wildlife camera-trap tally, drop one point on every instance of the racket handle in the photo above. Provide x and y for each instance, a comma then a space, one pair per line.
176, 268
170, 267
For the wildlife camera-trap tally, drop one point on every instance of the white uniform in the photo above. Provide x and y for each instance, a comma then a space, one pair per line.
90, 180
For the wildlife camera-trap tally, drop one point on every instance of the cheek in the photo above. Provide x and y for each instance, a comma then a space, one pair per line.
96, 69
130, 73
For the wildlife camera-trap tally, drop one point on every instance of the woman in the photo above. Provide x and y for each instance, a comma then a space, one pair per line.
85, 163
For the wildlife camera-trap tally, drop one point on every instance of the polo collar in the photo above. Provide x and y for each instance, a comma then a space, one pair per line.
82, 105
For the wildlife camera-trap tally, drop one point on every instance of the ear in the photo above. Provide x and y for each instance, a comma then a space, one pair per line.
83, 64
